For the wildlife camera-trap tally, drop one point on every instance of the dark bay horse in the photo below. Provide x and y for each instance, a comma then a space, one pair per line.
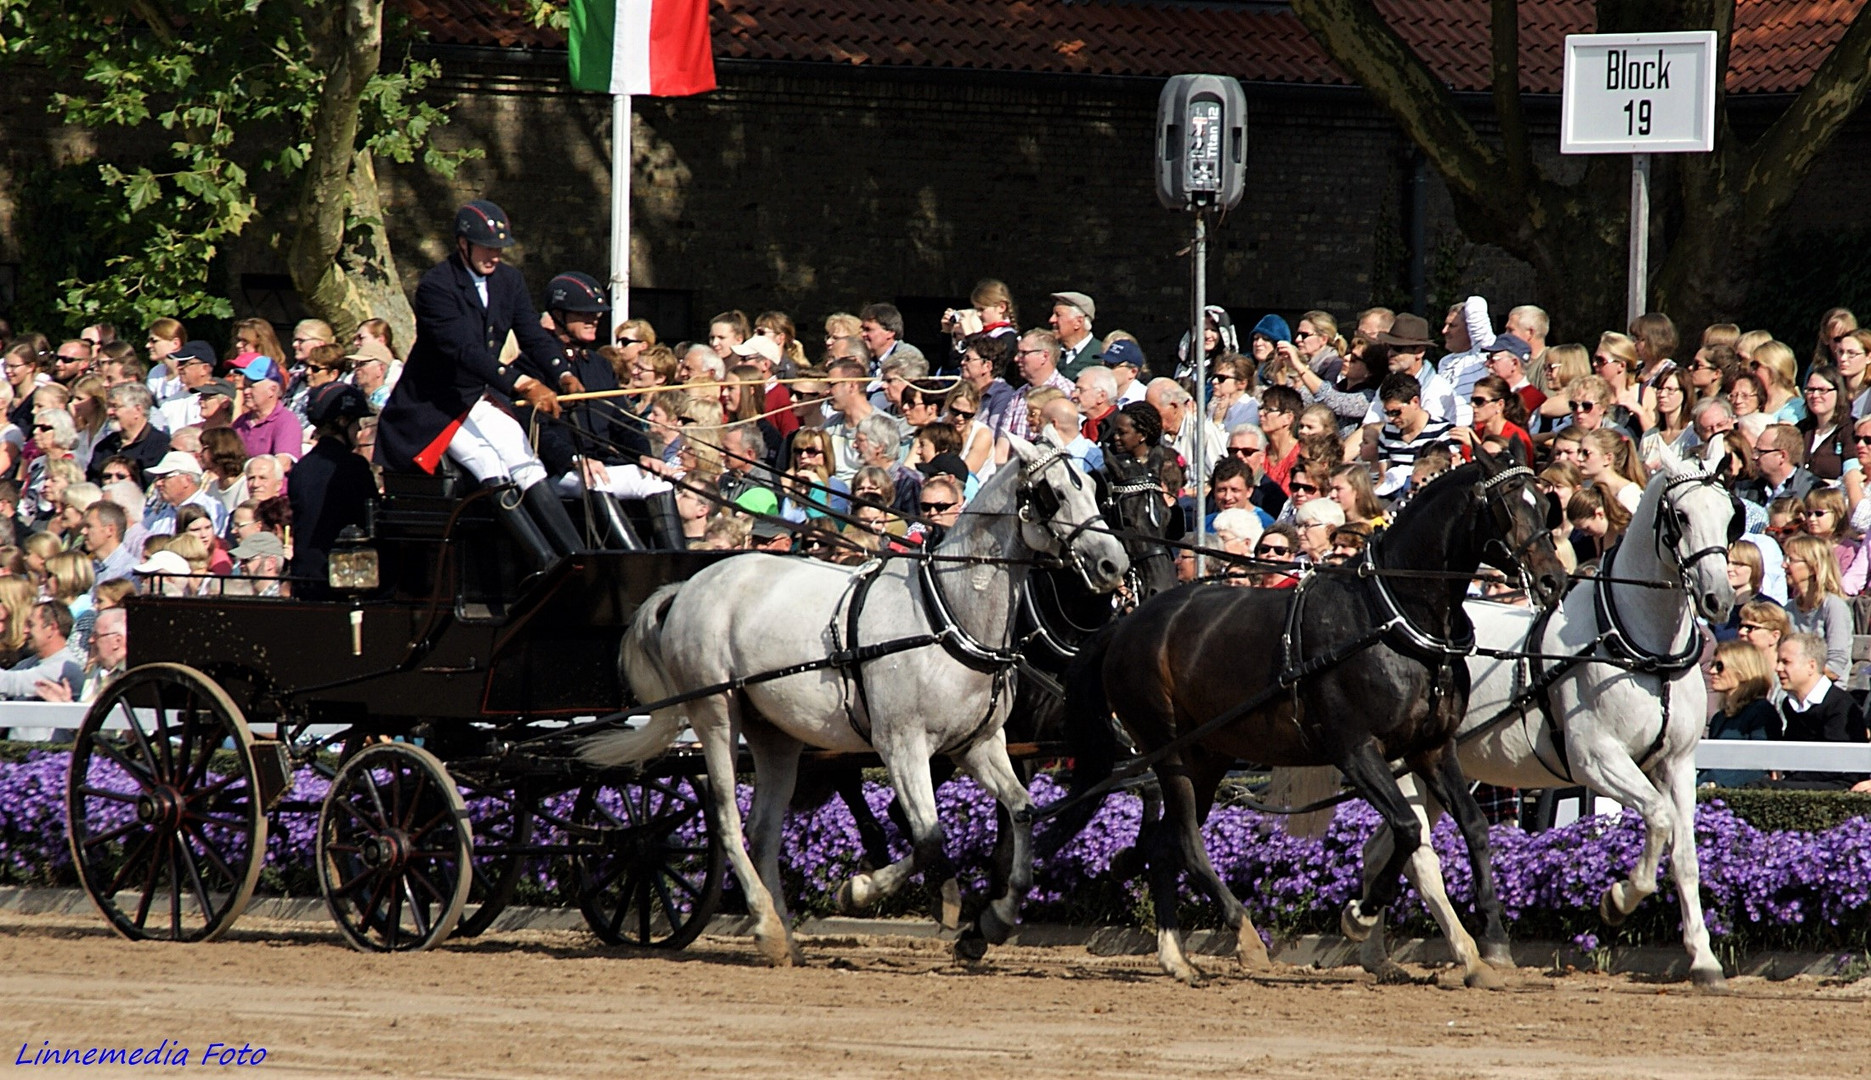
1385, 681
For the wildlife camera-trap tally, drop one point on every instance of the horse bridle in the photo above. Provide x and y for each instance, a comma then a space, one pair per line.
1669, 529
1491, 493
1040, 505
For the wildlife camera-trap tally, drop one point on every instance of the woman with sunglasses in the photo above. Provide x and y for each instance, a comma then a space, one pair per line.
804, 483
977, 441
1774, 367
1499, 414
1826, 422
1279, 545
1740, 674
48, 474
1553, 375
1835, 326
1616, 361
1823, 514
1230, 391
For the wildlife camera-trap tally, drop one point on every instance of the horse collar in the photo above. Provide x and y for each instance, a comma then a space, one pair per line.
1612, 632
1392, 618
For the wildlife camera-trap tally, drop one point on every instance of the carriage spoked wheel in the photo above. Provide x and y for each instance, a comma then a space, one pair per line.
167, 833
649, 865
394, 850
502, 819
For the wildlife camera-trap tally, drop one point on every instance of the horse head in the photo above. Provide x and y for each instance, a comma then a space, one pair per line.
1696, 520
1059, 513
1518, 536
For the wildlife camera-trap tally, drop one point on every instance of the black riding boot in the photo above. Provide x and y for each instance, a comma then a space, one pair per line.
549, 514
508, 507
666, 521
613, 524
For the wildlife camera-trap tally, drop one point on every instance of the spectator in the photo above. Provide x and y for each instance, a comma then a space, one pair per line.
1654, 337
1072, 315
1554, 375
1617, 363
1835, 326
135, 438
1822, 513
69, 580
1407, 342
1851, 364
50, 656
1498, 414
1263, 347
700, 370
1231, 486
1125, 359
1774, 368
1608, 463
88, 417
1237, 530
1408, 431
1826, 423
267, 426
984, 357
1713, 365
1817, 603
726, 330
108, 655
1713, 418
854, 408
940, 506
1062, 416
1351, 490
693, 509
1743, 678
1779, 455
1764, 624
193, 521
881, 327
1314, 521
804, 484
1531, 325
875, 442
17, 596
745, 479
1177, 410
897, 373
1816, 709
1230, 386
1745, 574
1317, 422
1349, 540
1038, 361
103, 532
194, 369
1095, 391
841, 324
1351, 395
1674, 427
178, 484
741, 403
265, 478
1320, 348
1467, 334
770, 398
224, 466
1743, 392
21, 366
1279, 545
1598, 523
776, 326
371, 364
261, 563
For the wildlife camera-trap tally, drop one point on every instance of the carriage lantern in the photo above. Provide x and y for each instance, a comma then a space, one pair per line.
352, 566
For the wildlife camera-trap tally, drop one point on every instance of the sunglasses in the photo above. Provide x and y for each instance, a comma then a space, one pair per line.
1304, 489
1250, 451
1750, 628
629, 341
1717, 667
1478, 402
1584, 406
961, 414
1394, 414
116, 476
1265, 550
42, 427
935, 507
807, 451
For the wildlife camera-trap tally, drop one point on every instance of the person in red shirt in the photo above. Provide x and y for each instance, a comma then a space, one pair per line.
1498, 415
1280, 407
1508, 358
764, 353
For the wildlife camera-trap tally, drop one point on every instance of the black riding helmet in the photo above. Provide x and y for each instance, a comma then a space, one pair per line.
573, 291
481, 222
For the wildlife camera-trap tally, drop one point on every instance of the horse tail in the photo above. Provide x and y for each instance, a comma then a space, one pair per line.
640, 661
1090, 739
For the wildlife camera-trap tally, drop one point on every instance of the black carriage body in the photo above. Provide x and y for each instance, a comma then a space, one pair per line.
456, 632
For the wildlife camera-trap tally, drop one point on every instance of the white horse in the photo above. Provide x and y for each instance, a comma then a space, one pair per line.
1625, 726
762, 613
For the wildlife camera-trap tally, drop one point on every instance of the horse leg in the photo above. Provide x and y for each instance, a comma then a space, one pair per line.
1207, 771
1441, 776
1168, 848
988, 763
1609, 769
1677, 774
1423, 871
865, 889
1364, 766
908, 765
713, 722
776, 763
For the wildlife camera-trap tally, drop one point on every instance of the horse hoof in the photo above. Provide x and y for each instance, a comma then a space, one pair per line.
1484, 977
1354, 923
948, 912
1390, 973
970, 948
1251, 952
1499, 955
781, 954
1709, 981
854, 895
1608, 910
992, 927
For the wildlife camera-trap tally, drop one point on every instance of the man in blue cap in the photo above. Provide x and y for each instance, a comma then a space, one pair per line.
453, 394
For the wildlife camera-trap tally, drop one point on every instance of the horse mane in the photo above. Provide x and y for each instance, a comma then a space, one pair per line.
1411, 498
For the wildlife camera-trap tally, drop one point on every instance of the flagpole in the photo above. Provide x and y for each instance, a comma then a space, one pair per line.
620, 208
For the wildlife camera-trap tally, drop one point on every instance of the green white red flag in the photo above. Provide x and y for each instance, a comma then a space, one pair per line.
656, 48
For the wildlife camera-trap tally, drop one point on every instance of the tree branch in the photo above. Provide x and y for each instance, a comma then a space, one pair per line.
1507, 112
1358, 39
1782, 157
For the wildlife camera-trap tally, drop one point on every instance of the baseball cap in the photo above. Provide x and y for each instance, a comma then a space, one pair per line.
259, 543
259, 367
950, 463
372, 349
1078, 300
195, 350
1512, 343
759, 345
1123, 351
163, 562
177, 461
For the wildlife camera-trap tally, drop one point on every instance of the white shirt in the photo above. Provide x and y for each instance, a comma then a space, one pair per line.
1135, 392
480, 285
1812, 697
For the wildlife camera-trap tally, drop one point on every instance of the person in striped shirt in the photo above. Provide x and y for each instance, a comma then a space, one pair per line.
1408, 431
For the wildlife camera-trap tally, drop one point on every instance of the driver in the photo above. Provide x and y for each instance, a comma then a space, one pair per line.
454, 394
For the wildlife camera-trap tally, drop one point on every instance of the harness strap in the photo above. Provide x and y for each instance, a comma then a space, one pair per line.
850, 661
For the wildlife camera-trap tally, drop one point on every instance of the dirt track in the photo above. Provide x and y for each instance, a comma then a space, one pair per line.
539, 1004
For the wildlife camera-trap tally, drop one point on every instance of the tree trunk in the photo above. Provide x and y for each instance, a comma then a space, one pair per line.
339, 255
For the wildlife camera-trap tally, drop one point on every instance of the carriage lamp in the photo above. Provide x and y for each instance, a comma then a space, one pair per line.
352, 566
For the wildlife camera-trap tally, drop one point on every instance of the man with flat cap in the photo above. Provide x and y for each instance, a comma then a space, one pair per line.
1072, 313
454, 394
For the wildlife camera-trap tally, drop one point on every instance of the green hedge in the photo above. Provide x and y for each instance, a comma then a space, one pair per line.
1791, 811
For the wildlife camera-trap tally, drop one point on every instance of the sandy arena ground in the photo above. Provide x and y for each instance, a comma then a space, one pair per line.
556, 1004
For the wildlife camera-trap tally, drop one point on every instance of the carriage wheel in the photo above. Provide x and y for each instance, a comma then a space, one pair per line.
394, 846
649, 863
503, 833
167, 841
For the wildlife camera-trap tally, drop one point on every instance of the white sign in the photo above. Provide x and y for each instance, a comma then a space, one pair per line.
1639, 93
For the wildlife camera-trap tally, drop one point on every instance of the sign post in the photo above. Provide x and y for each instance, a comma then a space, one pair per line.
1639, 94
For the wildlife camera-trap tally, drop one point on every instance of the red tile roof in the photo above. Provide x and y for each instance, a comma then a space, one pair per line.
1777, 43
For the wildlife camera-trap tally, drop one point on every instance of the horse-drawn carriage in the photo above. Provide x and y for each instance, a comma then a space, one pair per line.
435, 686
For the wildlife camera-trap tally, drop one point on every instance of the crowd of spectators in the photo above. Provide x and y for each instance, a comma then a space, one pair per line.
165, 468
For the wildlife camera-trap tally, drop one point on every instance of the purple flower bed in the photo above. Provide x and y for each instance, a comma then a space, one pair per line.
1760, 889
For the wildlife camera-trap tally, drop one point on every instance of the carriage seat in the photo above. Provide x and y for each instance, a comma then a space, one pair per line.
450, 481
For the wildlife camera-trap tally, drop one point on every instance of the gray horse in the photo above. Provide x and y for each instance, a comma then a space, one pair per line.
757, 613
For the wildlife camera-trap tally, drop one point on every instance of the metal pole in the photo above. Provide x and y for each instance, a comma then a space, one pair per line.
1638, 289
620, 212
1196, 327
